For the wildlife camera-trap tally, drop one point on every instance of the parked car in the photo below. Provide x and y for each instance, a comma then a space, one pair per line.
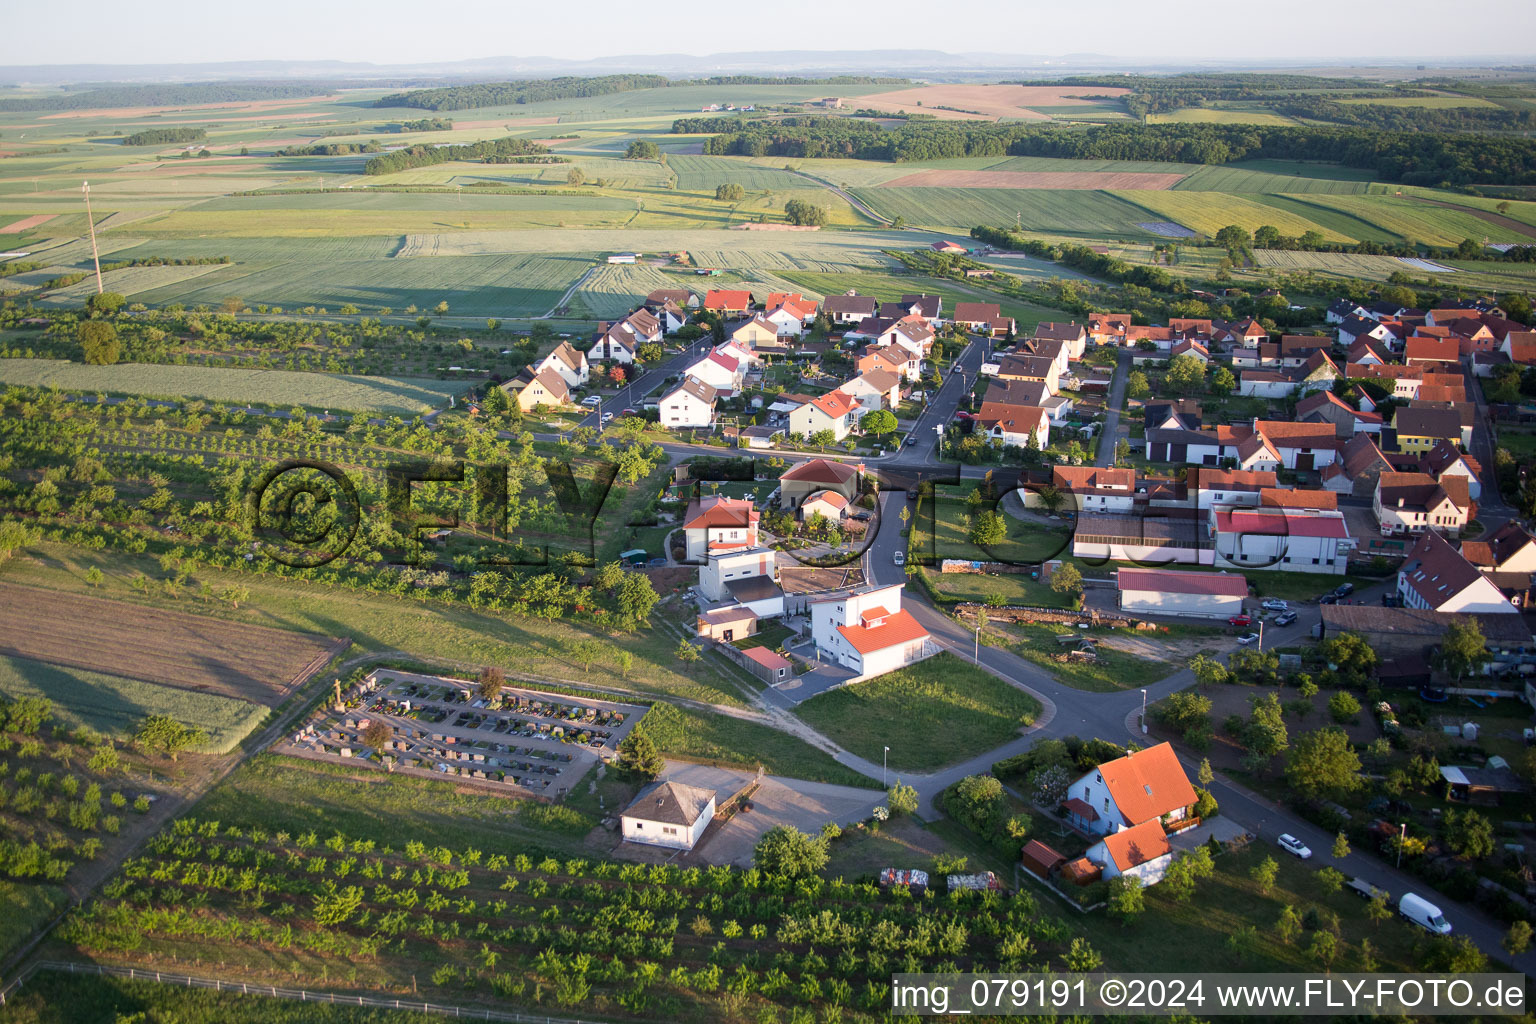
1290, 844
1285, 619
1328, 599
1240, 620
900, 558
1343, 590
863, 517
591, 400
607, 416
1274, 604
1248, 638
1423, 913
1365, 890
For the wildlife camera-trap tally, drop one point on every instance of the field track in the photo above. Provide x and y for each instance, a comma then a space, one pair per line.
27, 223
191, 652
1126, 180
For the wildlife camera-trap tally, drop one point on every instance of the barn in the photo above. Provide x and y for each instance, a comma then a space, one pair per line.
1206, 595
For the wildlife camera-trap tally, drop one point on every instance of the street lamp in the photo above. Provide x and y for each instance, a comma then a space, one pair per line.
938, 429
976, 657
1143, 711
884, 760
1402, 837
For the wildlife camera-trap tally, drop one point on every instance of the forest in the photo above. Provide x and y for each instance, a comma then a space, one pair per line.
1414, 158
162, 136
492, 94
497, 151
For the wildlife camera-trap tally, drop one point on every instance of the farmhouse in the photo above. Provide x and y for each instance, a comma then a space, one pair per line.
1142, 852
668, 814
1432, 352
728, 301
814, 475
1408, 503
1148, 786
1205, 595
1228, 486
866, 630
1435, 577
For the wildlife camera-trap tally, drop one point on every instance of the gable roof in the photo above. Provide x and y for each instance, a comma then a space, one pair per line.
1207, 478
1079, 478
976, 312
1059, 332
1420, 490
1171, 581
727, 298
821, 471
1013, 419
927, 305
770, 660
1291, 497
670, 803
1147, 784
1446, 350
1026, 366
1498, 547
1131, 847
1428, 421
1360, 453
895, 628
1436, 571
834, 404
695, 387
849, 304
715, 510
1280, 522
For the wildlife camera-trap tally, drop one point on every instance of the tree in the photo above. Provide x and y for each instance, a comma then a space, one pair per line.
642, 149
378, 734
638, 754
1207, 670
687, 652
1080, 956
1462, 648
879, 423
1378, 910
1205, 775
170, 737
1185, 711
1264, 875
1343, 707
1323, 949
441, 309
1354, 657
99, 342
976, 802
988, 528
1330, 880
1234, 237
1322, 763
1186, 374
635, 598
1136, 385
1067, 581
1126, 898
1469, 834
1288, 925
789, 853
575, 176
586, 650
104, 303
1265, 733
797, 211
1447, 954
902, 799
1518, 939
1340, 846
731, 193
1223, 383
490, 681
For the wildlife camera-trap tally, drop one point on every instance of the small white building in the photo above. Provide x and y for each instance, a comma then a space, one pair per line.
723, 567
668, 814
1142, 852
690, 404
830, 504
867, 631
1206, 595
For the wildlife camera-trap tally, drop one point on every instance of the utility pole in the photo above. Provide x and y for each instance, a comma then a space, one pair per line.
884, 761
85, 187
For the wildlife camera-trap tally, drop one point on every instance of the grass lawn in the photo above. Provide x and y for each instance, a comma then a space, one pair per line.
28, 907
774, 634
1113, 671
930, 714
1013, 588
727, 742
295, 795
1229, 926
1025, 543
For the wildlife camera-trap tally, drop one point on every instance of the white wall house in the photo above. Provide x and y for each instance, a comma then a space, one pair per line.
689, 405
721, 568
1202, 595
720, 371
1142, 853
1437, 578
835, 411
570, 364
1286, 540
716, 524
668, 814
1146, 786
866, 630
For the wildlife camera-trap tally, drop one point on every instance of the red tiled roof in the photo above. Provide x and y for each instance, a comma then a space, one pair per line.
1080, 807
731, 299
1280, 523
821, 471
1147, 784
718, 511
898, 628
1170, 581
835, 404
1447, 350
1290, 497
975, 312
766, 658
1138, 845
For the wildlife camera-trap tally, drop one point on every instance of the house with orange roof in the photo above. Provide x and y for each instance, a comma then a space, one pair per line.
836, 411
729, 301
1301, 446
791, 314
867, 631
1445, 459
1209, 486
1147, 786
1520, 347
1432, 353
1094, 488
1142, 852
1015, 424
1109, 328
717, 524
827, 504
1409, 503
531, 390
817, 475
893, 359
1326, 407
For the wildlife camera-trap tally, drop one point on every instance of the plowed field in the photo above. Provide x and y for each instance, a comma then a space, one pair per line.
251, 663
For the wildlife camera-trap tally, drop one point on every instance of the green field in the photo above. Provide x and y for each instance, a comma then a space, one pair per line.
703, 173
1072, 212
930, 714
1218, 115
614, 290
115, 705
1209, 212
1414, 219
1274, 176
888, 288
711, 738
29, 906
336, 392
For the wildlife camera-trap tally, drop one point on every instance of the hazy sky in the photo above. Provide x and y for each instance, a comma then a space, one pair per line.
393, 31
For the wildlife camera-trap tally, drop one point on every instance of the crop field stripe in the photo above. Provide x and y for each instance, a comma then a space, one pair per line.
336, 392
1340, 223
1237, 179
1052, 211
1209, 212
1090, 180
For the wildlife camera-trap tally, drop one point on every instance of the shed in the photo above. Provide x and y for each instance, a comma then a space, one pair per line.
668, 814
769, 666
634, 556
1081, 871
1040, 859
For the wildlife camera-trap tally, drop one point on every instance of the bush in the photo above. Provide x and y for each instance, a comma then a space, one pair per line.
1344, 707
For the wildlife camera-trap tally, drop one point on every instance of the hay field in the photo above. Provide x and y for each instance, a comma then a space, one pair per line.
614, 290
1242, 179
1434, 102
1034, 179
406, 396
1209, 212
703, 173
738, 247
1345, 264
115, 705
1422, 222
1072, 212
986, 102
1219, 115
609, 213
128, 281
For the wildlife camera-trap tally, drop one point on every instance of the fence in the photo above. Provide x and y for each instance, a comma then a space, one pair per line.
278, 992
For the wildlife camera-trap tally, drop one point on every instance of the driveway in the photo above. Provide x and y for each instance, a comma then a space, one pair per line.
778, 801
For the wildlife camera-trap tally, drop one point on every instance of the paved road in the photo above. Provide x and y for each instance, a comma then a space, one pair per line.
1111, 434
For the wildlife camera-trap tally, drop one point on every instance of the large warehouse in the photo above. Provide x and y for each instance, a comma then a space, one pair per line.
1206, 595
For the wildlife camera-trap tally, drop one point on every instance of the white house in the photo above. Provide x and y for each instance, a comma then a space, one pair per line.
715, 524
1146, 786
721, 568
1095, 488
668, 814
866, 630
690, 404
569, 363
619, 342
1015, 424
1408, 503
828, 504
1265, 384
1142, 852
874, 389
1436, 578
720, 371
1205, 595
1227, 486
836, 411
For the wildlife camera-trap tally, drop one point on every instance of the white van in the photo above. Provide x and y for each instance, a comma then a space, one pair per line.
1423, 913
